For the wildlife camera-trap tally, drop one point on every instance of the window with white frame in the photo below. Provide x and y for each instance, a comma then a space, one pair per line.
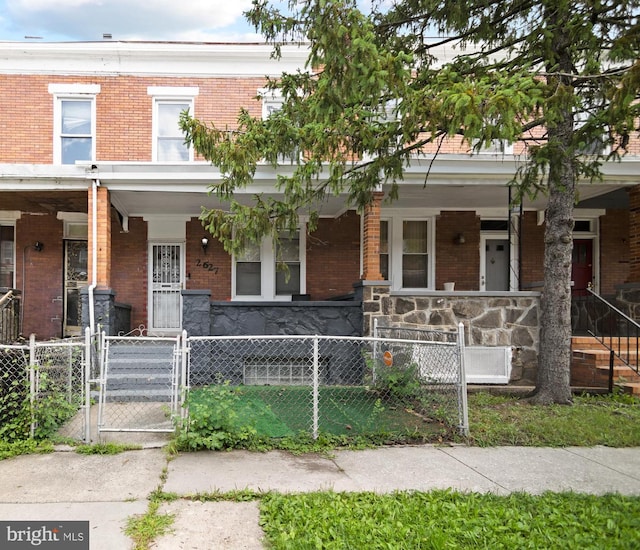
384, 249
74, 122
406, 258
272, 102
288, 264
168, 139
271, 271
495, 147
589, 145
249, 271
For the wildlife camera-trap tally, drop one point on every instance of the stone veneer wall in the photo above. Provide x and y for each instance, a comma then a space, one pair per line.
489, 319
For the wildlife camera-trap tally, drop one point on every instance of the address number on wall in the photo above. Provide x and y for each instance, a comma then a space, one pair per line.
207, 266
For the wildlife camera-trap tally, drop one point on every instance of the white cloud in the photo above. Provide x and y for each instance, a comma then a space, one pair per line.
197, 20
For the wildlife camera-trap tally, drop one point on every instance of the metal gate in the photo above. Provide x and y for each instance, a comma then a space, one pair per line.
139, 383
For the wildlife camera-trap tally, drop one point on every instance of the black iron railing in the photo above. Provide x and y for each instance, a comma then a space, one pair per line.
9, 316
615, 330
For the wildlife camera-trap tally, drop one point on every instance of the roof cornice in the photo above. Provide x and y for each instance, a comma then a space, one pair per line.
148, 58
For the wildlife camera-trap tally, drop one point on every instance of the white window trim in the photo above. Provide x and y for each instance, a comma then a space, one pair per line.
497, 147
269, 97
78, 92
169, 94
154, 127
395, 248
268, 271
580, 119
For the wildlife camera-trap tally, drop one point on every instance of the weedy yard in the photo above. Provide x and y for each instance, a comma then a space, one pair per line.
447, 519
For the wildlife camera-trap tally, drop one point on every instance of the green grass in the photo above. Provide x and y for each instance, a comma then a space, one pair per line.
284, 411
611, 420
106, 448
446, 519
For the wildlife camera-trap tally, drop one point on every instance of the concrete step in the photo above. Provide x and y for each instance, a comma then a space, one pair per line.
135, 396
140, 372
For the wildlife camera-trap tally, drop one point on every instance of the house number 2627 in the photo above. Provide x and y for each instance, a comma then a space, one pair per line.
206, 266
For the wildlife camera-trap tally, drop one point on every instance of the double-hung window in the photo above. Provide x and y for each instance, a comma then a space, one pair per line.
249, 271
288, 264
270, 271
74, 122
272, 102
406, 258
168, 139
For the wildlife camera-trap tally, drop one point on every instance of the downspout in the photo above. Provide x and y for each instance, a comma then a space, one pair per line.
94, 254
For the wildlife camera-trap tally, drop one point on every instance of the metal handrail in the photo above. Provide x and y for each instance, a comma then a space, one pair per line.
615, 330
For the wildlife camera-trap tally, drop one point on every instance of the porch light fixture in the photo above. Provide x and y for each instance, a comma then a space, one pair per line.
205, 243
459, 239
38, 246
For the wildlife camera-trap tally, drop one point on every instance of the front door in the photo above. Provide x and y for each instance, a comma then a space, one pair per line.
166, 282
75, 278
581, 266
494, 268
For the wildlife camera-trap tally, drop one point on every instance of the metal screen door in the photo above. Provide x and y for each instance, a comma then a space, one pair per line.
165, 304
75, 278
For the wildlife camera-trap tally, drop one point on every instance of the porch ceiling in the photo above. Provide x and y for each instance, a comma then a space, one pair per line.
190, 203
454, 182
430, 197
49, 202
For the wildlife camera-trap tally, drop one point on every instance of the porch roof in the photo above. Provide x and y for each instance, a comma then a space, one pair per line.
448, 182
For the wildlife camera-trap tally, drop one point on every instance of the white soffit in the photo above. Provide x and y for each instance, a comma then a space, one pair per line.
166, 227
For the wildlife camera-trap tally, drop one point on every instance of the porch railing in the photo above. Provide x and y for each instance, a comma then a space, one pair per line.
615, 330
9, 317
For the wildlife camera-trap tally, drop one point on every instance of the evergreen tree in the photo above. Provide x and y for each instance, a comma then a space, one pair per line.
561, 76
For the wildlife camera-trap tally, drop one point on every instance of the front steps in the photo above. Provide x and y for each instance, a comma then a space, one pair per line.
139, 372
590, 364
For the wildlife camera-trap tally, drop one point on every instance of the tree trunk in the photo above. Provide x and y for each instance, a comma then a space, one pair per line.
554, 358
553, 383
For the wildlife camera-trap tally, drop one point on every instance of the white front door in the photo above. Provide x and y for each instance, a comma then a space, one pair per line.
166, 278
494, 264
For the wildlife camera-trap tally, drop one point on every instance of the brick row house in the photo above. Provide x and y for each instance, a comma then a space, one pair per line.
100, 198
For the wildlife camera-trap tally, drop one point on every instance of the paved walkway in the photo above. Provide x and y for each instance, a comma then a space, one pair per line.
106, 490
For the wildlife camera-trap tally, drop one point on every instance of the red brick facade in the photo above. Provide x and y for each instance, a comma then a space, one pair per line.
458, 262
123, 112
342, 251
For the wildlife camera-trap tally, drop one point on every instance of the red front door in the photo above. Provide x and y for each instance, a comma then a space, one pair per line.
581, 266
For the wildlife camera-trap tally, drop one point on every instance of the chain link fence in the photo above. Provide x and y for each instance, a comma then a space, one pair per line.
139, 383
43, 390
396, 384
284, 385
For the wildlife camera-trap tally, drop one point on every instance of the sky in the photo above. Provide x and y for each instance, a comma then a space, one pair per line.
89, 20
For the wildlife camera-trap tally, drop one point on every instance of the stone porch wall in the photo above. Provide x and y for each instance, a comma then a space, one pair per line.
489, 319
202, 317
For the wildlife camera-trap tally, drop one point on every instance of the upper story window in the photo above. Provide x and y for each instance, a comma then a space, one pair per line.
268, 272
496, 147
272, 102
74, 122
168, 139
406, 258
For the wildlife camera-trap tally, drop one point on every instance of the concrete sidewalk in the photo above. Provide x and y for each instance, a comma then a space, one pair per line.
106, 490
